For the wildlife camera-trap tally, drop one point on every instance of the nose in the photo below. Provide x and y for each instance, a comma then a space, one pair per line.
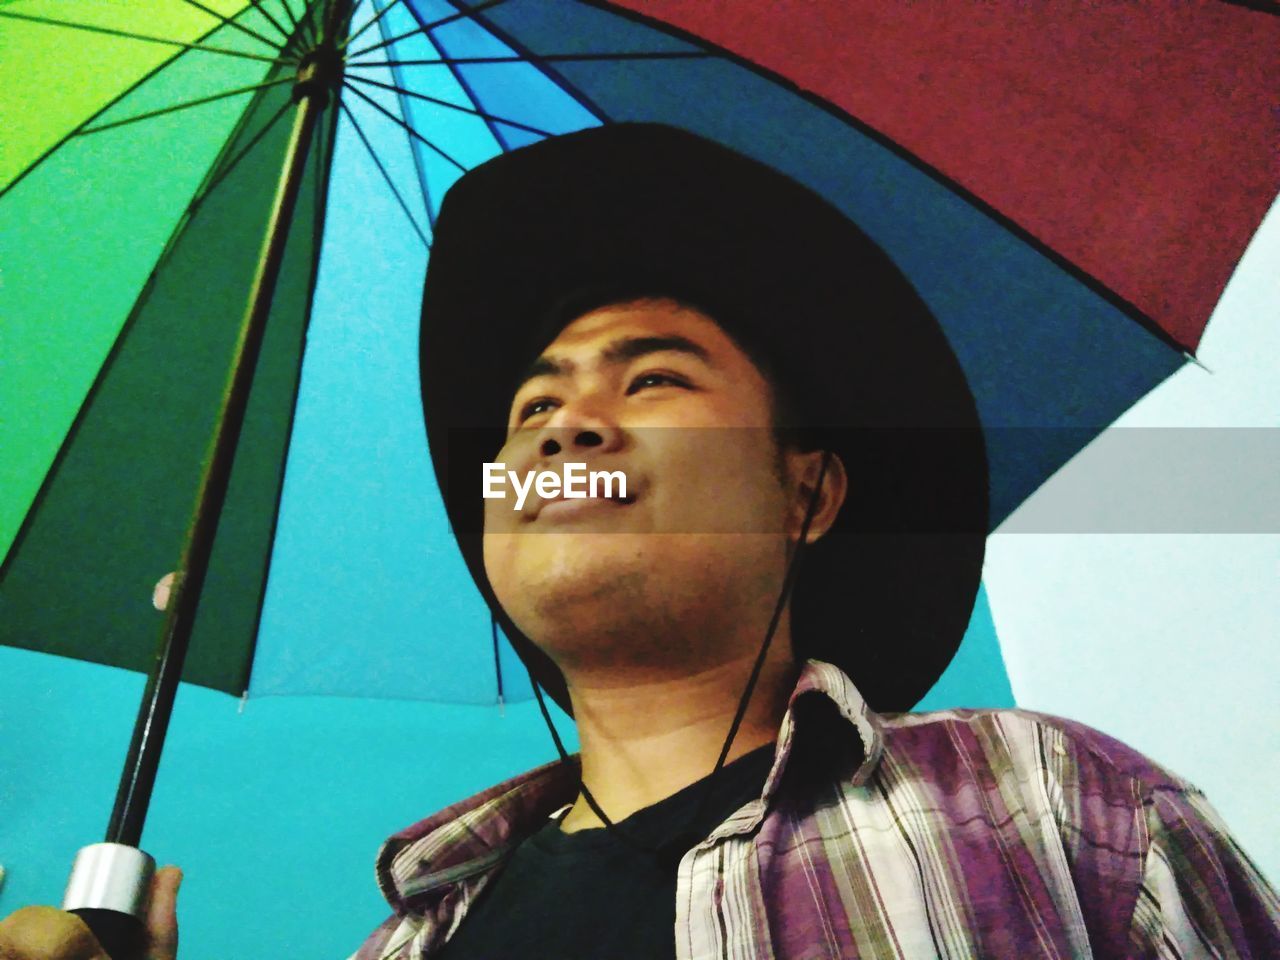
577, 430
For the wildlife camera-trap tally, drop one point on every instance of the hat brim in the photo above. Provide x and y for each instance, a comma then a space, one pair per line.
887, 594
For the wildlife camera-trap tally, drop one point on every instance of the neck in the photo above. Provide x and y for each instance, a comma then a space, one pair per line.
645, 739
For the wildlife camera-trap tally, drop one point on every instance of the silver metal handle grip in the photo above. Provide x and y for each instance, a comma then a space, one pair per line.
110, 890
110, 876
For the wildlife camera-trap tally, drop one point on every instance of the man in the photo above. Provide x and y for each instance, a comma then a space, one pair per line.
794, 561
637, 299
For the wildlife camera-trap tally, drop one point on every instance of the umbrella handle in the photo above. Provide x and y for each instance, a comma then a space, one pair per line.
109, 889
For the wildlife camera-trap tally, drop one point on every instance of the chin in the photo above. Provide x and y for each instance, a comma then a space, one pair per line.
580, 583
566, 568
569, 591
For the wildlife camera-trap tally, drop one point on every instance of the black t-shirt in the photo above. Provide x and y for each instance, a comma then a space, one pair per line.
591, 894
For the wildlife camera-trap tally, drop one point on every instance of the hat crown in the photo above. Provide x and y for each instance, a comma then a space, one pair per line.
655, 208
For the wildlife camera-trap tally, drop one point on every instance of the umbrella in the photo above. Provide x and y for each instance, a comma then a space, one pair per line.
1042, 203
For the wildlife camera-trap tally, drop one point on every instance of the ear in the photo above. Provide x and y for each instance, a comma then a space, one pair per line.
804, 468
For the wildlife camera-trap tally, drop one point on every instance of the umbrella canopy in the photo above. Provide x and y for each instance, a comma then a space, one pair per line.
1027, 197
1069, 190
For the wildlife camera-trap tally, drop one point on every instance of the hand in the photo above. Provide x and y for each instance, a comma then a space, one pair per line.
45, 933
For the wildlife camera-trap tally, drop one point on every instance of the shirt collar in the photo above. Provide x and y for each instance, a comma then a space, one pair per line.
417, 865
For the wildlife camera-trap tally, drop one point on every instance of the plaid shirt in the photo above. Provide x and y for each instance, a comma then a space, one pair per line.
961, 833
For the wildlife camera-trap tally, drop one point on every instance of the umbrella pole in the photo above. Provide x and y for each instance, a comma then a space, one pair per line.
143, 759
110, 881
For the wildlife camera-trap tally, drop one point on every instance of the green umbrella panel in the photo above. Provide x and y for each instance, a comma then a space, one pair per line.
130, 248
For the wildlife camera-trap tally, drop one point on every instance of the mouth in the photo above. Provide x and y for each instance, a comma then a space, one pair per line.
567, 508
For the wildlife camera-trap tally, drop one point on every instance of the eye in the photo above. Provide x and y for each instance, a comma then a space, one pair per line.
655, 379
535, 407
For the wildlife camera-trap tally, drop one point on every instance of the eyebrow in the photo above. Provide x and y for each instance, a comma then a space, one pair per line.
618, 351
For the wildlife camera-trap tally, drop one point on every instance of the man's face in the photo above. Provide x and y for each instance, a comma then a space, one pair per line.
661, 393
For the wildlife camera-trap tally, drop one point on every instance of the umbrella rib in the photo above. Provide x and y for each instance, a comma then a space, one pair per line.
110, 31
297, 31
427, 27
497, 659
460, 15
549, 57
118, 98
517, 47
293, 21
412, 132
231, 164
406, 113
329, 19
308, 27
115, 349
385, 175
459, 77
257, 5
355, 36
274, 45
454, 106
189, 103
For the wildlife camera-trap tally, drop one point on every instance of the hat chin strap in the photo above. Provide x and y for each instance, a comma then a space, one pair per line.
669, 854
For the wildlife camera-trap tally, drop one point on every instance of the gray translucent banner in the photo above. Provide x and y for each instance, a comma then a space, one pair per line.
900, 481
1160, 480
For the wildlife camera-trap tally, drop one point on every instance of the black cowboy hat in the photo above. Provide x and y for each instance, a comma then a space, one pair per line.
886, 595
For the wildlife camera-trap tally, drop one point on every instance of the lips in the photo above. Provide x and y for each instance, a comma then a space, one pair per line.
561, 507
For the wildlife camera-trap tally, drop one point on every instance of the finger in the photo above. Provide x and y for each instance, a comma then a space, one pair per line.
48, 934
162, 914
